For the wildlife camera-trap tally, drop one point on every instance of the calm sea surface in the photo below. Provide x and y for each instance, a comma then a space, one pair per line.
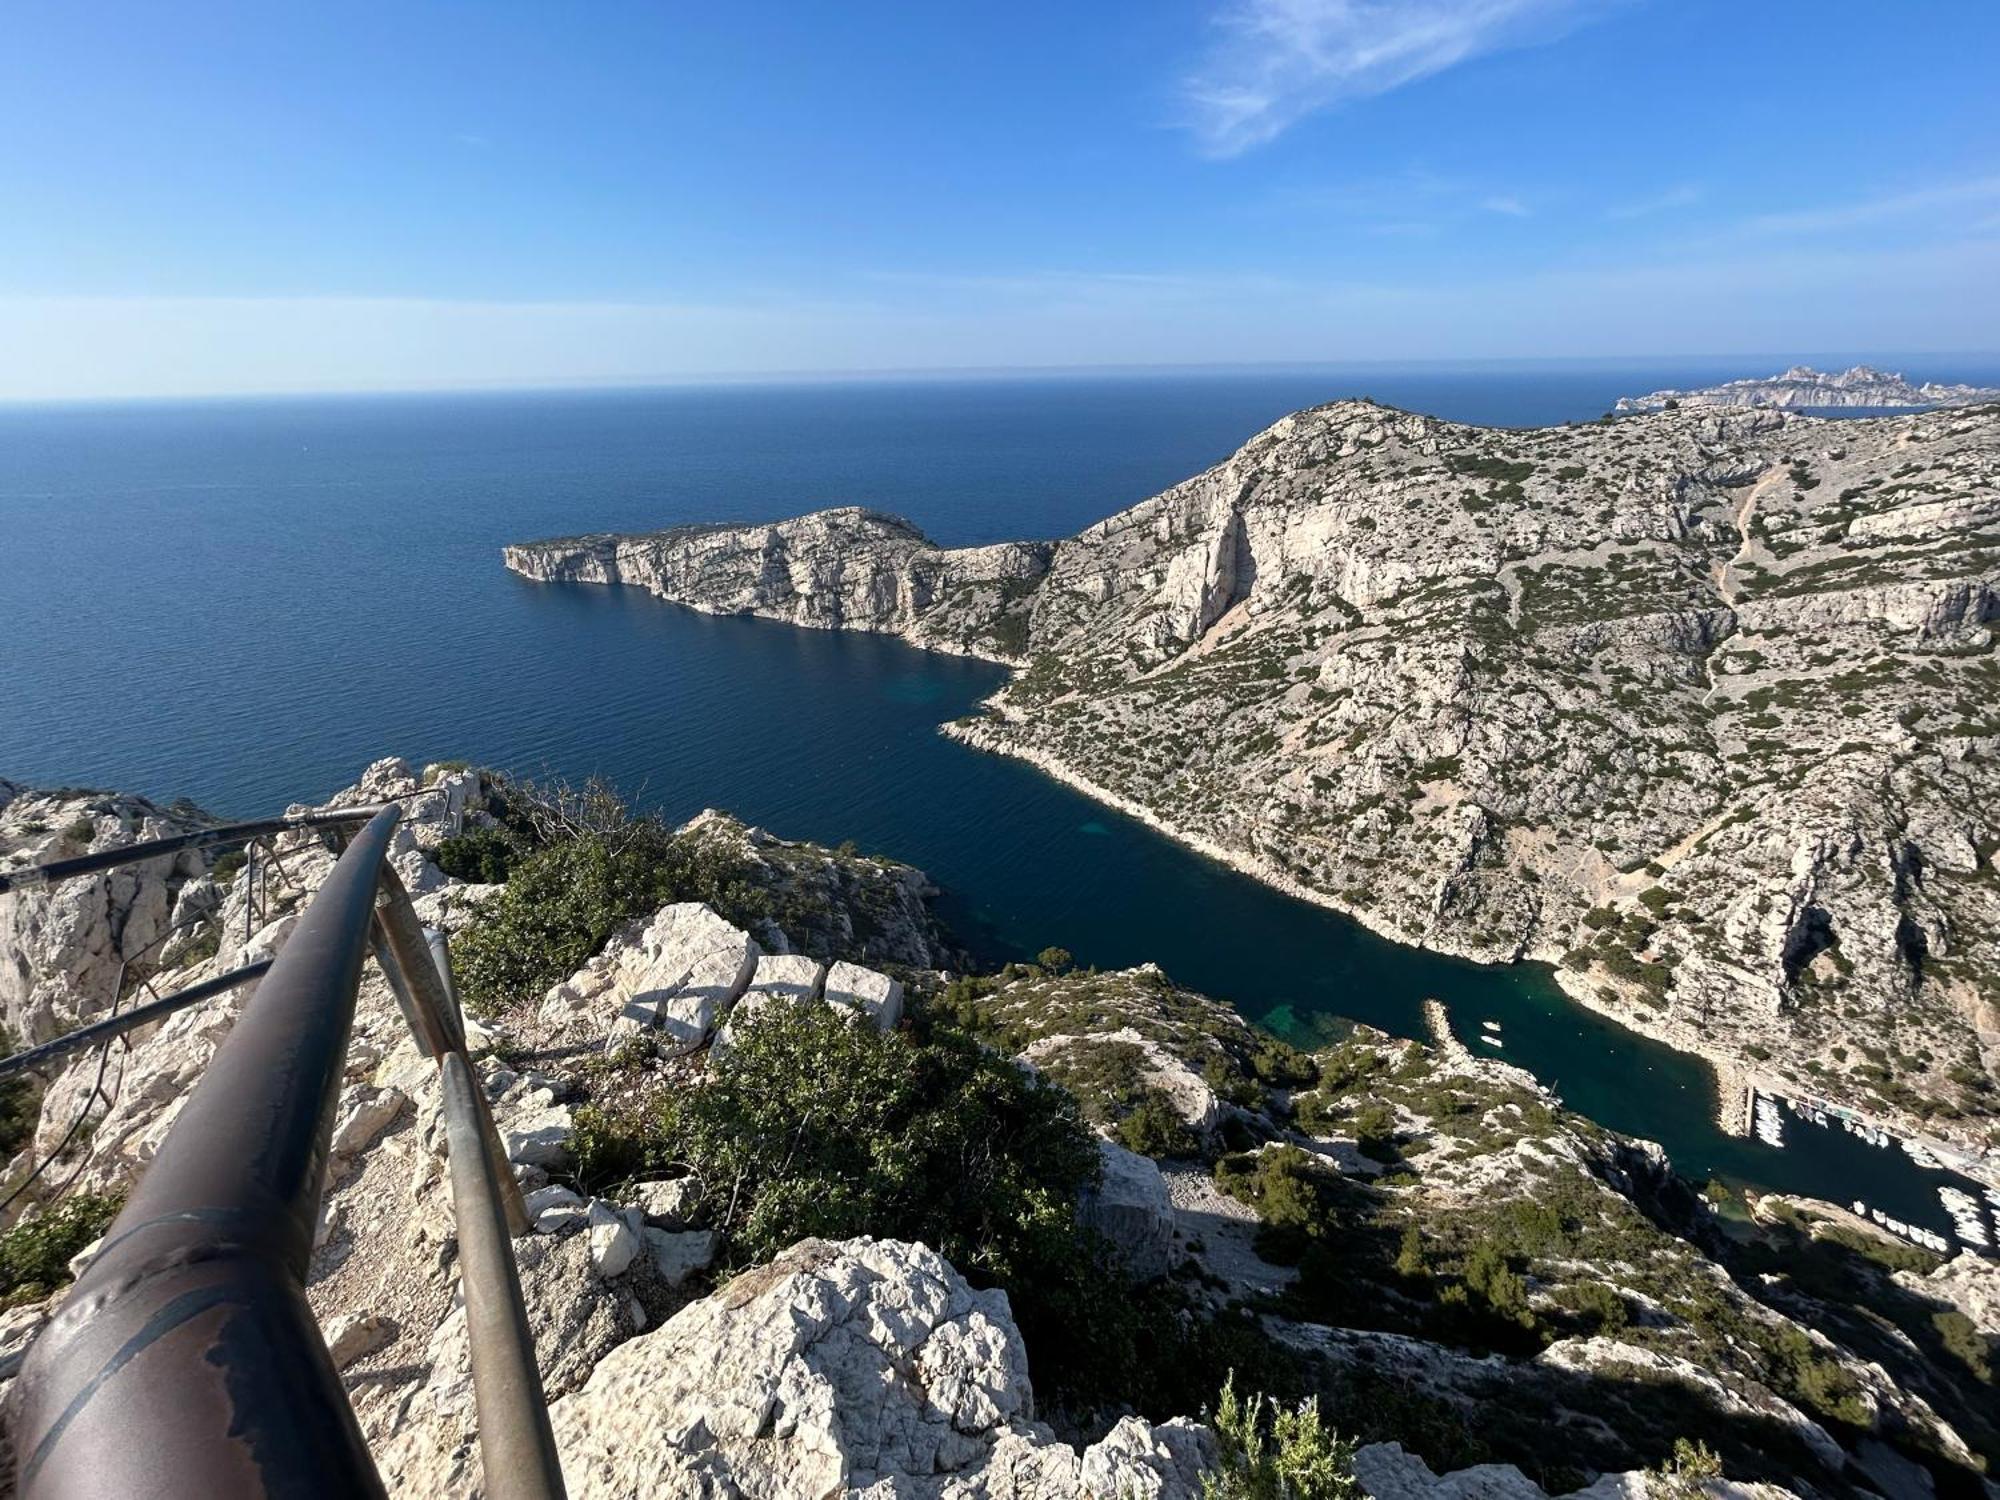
246, 602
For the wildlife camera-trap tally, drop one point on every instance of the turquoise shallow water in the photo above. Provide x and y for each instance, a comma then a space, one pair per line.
246, 602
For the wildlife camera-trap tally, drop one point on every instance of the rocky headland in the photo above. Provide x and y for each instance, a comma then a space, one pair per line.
1804, 387
1697, 705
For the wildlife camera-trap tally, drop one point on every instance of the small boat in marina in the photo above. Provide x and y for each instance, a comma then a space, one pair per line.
1491, 1040
1860, 1209
1490, 1025
1921, 1155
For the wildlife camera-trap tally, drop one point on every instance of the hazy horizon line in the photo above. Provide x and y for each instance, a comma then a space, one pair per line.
916, 373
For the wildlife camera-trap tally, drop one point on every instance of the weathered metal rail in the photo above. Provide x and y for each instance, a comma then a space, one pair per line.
186, 1361
131, 1020
57, 870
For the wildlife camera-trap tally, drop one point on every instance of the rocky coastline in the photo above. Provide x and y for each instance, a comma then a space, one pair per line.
1536, 719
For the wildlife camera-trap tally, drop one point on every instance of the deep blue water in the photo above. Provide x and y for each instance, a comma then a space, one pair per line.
245, 602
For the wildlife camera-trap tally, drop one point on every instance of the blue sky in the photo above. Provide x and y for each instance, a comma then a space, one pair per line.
212, 197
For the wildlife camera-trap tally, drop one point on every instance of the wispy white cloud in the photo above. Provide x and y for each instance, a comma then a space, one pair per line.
1970, 195
1277, 61
1502, 203
1682, 195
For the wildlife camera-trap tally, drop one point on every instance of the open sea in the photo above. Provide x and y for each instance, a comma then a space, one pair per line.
245, 602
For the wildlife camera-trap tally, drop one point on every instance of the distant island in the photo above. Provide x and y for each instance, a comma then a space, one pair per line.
1803, 386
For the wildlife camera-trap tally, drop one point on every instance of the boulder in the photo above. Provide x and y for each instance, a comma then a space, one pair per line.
1131, 1207
779, 979
876, 996
865, 1366
613, 1245
354, 1336
670, 1204
676, 972
364, 1114
679, 1255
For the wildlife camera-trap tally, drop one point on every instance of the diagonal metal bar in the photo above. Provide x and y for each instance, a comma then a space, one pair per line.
133, 1019
517, 1448
430, 999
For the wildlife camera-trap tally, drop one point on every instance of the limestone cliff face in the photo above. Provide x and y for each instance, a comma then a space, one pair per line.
1700, 703
65, 950
837, 569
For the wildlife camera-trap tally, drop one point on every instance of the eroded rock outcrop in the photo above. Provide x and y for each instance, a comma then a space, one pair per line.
1803, 386
860, 1367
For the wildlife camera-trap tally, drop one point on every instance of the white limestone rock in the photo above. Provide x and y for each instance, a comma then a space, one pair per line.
537, 1136
671, 1204
679, 1254
780, 979
352, 1337
613, 1245
677, 972
876, 996
867, 1366
365, 1113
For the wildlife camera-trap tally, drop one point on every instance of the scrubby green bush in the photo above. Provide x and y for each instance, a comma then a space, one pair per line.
485, 856
1686, 1473
1271, 1451
35, 1253
18, 1104
562, 902
1155, 1128
814, 1123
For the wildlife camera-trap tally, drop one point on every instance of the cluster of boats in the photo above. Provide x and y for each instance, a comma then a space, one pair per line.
1968, 1219
1922, 1155
1490, 1033
1766, 1120
1874, 1135
1975, 1225
1930, 1239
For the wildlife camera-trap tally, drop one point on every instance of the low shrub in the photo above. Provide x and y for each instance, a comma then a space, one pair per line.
1271, 1451
35, 1253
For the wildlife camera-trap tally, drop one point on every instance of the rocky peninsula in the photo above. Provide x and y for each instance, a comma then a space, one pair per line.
1804, 387
1698, 705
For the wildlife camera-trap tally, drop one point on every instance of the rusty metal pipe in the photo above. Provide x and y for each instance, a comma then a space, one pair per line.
131, 1020
517, 1447
186, 1363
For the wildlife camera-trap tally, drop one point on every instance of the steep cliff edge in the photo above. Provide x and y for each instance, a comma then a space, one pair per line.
1698, 704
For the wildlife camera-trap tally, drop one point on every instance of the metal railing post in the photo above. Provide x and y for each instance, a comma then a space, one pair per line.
517, 1446
430, 997
186, 1363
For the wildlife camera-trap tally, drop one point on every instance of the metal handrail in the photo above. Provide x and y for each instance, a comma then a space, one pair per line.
36, 876
186, 1360
131, 1020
